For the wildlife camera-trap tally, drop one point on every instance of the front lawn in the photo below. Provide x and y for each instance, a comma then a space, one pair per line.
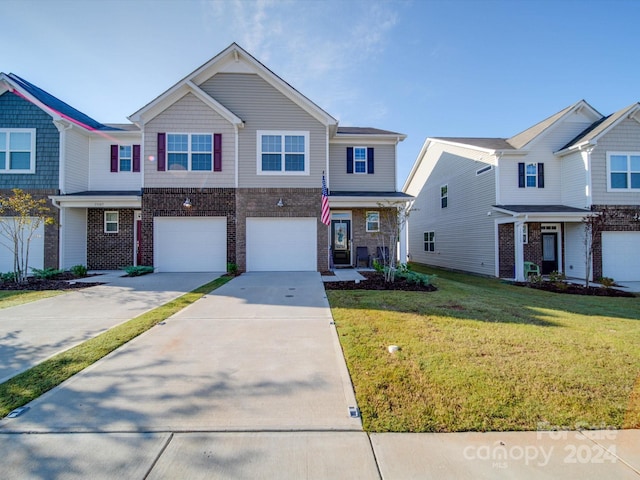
481, 355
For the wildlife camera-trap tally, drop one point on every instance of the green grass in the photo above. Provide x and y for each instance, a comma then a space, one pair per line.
11, 298
32, 383
482, 355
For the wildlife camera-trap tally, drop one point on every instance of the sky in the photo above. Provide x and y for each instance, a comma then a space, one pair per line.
425, 68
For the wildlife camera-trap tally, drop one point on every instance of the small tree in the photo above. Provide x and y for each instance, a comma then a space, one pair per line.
20, 217
594, 224
393, 217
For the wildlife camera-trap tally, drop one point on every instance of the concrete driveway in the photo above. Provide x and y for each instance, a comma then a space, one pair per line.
35, 331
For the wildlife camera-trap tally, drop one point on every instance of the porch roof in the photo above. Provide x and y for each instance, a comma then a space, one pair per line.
544, 212
99, 199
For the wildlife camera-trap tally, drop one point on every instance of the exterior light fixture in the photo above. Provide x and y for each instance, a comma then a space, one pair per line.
187, 203
280, 203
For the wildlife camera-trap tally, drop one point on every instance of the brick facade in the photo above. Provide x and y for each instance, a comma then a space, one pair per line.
625, 219
110, 251
206, 202
506, 250
371, 240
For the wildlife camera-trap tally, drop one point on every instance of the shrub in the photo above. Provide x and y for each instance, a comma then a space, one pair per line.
232, 268
536, 279
415, 277
46, 273
137, 270
8, 277
607, 282
79, 270
377, 266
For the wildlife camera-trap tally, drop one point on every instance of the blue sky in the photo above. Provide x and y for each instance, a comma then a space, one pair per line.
422, 67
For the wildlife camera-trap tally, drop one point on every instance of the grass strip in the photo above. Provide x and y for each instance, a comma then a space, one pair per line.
34, 382
11, 298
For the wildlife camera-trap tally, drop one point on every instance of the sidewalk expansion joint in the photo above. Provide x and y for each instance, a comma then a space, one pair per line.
160, 453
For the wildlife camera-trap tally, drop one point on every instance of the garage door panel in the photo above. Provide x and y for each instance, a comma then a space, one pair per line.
190, 244
282, 244
620, 258
36, 252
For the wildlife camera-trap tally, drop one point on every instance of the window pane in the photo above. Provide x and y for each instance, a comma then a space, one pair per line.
635, 180
426, 236
177, 161
635, 163
294, 162
271, 162
531, 169
20, 141
20, 161
618, 163
360, 167
201, 143
125, 152
618, 180
294, 144
111, 216
3, 161
201, 161
177, 143
3, 141
271, 143
531, 181
125, 165
360, 153
111, 227
443, 191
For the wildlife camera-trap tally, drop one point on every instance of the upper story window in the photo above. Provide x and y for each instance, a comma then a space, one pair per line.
530, 175
623, 171
190, 151
283, 153
125, 158
373, 221
18, 150
359, 159
444, 196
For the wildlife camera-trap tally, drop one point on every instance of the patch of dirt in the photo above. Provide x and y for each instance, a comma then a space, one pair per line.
375, 281
575, 289
63, 281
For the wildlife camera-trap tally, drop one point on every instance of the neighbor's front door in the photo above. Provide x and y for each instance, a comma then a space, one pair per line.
549, 253
340, 242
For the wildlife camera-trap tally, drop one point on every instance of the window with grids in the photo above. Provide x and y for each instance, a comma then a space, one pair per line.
531, 175
360, 159
111, 222
189, 151
429, 241
283, 152
125, 158
444, 196
624, 171
18, 150
373, 222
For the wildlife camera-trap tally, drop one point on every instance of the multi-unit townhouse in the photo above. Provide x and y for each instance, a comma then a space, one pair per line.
488, 205
226, 166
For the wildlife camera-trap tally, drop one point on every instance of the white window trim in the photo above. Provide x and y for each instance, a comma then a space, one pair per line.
445, 195
120, 159
366, 221
32, 159
425, 242
189, 151
628, 155
527, 175
117, 221
282, 133
366, 160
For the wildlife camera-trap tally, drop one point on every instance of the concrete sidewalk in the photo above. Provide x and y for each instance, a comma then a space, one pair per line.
35, 331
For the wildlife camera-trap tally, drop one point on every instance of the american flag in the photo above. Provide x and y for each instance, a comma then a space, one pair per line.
326, 216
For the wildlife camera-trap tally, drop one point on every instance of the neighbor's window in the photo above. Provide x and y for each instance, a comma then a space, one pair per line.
125, 158
373, 221
18, 150
283, 152
111, 222
624, 171
444, 195
360, 159
189, 151
429, 241
525, 233
531, 175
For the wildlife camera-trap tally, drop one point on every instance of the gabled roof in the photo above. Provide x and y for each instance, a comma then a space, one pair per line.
233, 54
480, 142
366, 131
602, 126
52, 105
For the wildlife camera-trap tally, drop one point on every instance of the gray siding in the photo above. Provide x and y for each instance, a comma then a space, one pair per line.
76, 177
262, 107
574, 180
464, 233
625, 137
16, 112
382, 180
189, 115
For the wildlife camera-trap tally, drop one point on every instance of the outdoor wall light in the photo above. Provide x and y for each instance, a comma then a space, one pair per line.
187, 203
280, 203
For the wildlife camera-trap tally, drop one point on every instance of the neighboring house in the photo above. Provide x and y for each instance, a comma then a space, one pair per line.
488, 205
224, 167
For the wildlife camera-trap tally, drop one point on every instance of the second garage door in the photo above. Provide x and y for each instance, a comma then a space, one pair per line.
620, 259
282, 244
190, 244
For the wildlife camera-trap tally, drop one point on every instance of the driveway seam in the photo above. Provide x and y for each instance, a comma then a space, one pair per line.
160, 453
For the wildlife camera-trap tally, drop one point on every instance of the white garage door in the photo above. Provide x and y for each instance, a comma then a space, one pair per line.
190, 244
621, 256
36, 250
281, 244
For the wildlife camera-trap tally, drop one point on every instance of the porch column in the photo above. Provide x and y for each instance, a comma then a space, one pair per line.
403, 239
519, 256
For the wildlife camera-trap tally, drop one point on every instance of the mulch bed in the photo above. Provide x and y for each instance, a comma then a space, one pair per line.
375, 281
61, 282
575, 289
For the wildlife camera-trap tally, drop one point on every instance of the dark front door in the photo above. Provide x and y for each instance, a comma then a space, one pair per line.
549, 253
340, 242
138, 242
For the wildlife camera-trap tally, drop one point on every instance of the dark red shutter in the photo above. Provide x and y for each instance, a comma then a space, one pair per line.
370, 160
541, 175
521, 179
217, 152
162, 152
114, 157
136, 158
349, 159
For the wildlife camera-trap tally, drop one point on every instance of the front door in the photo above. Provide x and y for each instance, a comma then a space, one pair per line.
341, 242
138, 238
549, 253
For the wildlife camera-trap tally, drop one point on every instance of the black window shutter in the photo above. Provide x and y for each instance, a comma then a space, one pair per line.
162, 151
136, 158
370, 160
114, 158
521, 179
217, 152
541, 175
349, 159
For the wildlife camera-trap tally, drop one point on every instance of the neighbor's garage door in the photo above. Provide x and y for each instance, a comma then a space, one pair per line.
190, 244
620, 258
281, 244
36, 250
